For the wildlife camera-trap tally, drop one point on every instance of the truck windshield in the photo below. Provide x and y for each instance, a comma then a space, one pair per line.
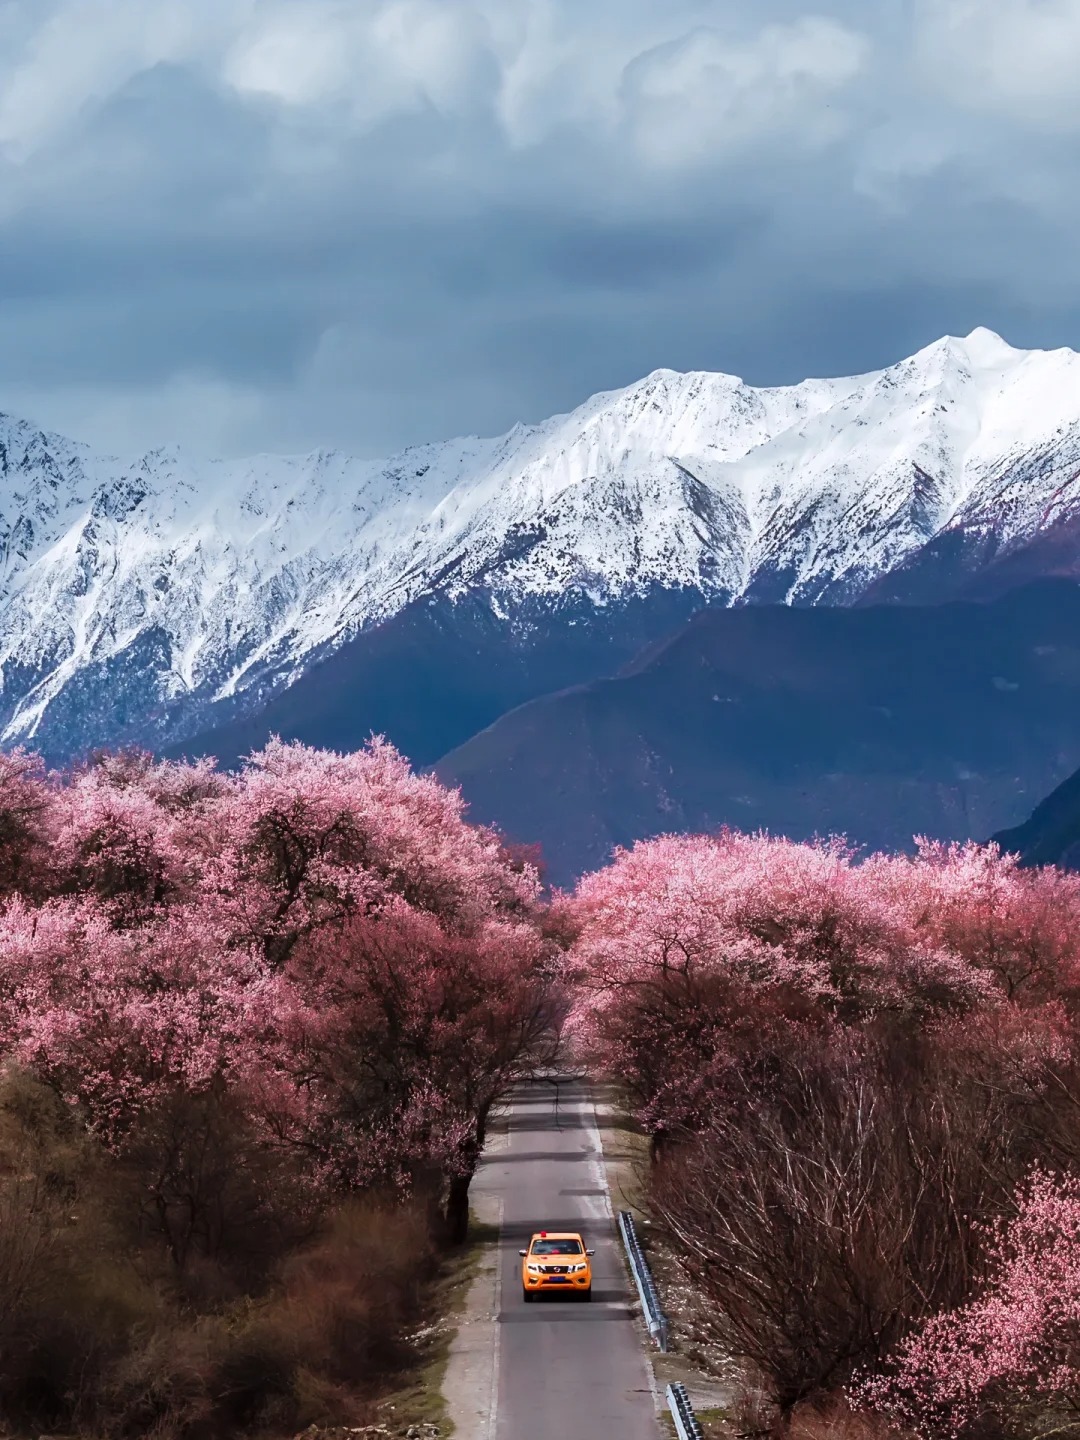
556, 1247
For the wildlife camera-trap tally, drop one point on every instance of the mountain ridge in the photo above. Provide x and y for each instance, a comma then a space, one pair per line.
153, 598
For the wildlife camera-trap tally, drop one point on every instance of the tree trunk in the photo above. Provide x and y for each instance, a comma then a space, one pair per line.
457, 1209
656, 1145
457, 1198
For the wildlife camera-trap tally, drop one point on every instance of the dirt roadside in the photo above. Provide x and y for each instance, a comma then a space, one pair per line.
710, 1382
470, 1383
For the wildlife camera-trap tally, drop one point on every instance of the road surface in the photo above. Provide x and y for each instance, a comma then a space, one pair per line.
565, 1370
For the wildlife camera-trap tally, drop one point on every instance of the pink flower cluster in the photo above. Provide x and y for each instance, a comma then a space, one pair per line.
954, 930
1015, 1349
324, 934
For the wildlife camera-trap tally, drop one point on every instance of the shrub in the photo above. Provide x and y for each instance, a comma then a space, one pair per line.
275, 1328
835, 1420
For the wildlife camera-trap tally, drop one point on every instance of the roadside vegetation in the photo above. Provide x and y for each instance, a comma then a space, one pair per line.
253, 1028
861, 1083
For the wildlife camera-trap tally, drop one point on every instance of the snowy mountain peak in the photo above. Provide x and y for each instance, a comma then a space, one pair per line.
139, 593
986, 347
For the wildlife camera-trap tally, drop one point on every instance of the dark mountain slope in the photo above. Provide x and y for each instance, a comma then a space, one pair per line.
880, 722
438, 671
975, 564
1052, 834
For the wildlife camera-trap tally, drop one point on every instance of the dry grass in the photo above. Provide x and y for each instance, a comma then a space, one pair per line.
101, 1333
420, 1398
626, 1151
836, 1422
715, 1424
754, 1417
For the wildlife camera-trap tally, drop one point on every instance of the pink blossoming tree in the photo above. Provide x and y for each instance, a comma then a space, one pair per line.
321, 942
1008, 1361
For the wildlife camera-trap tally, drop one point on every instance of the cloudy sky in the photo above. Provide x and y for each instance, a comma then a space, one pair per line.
276, 224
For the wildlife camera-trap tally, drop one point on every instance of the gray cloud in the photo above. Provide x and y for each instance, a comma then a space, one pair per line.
283, 223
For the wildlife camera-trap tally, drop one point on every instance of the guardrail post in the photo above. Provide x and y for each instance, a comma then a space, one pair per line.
646, 1288
682, 1412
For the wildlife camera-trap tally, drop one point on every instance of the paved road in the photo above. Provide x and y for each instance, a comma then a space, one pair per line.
566, 1370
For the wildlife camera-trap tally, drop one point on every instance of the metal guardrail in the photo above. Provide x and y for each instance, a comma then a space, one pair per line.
639, 1268
682, 1412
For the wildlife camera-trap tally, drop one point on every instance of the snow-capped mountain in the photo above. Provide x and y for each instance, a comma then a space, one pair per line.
137, 595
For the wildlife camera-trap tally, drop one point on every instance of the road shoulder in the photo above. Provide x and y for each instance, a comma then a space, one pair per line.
471, 1381
625, 1158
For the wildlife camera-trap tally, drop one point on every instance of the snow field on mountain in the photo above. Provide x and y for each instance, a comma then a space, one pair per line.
242, 572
